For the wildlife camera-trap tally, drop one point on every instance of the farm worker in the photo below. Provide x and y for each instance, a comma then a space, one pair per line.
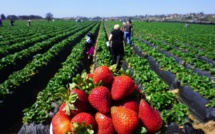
89, 45
29, 23
116, 38
128, 31
0, 22
12, 22
123, 24
186, 25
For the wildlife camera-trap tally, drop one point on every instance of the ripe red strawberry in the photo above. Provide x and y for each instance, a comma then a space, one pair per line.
60, 124
81, 103
105, 124
104, 74
100, 99
125, 120
83, 122
130, 103
122, 87
62, 110
150, 118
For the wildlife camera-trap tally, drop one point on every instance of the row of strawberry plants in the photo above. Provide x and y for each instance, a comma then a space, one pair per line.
10, 35
17, 39
189, 59
29, 41
200, 84
188, 48
39, 61
14, 60
197, 36
42, 111
180, 37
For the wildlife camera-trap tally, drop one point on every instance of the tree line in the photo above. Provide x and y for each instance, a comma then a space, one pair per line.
49, 16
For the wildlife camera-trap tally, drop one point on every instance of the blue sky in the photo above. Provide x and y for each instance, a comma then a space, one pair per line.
104, 8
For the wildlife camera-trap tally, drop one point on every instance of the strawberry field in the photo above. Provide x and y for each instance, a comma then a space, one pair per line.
171, 69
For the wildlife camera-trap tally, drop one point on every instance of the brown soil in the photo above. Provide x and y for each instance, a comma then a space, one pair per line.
92, 66
208, 128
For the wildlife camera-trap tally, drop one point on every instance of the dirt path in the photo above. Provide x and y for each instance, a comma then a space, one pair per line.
92, 66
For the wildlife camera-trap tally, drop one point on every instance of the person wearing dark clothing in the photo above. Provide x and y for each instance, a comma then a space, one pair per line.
89, 45
0, 22
128, 32
116, 38
12, 22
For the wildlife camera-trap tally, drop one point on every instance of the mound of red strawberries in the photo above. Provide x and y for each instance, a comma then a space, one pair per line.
105, 104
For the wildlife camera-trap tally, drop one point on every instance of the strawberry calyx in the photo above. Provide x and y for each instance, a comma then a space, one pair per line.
82, 128
82, 81
116, 71
113, 68
71, 99
127, 72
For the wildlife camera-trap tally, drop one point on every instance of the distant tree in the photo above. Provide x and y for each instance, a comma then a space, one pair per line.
97, 18
12, 17
49, 16
201, 13
3, 16
25, 17
35, 17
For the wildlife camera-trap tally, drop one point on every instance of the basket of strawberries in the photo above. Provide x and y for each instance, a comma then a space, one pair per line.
105, 102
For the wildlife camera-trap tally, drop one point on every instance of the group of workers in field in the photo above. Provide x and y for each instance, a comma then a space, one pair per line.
117, 38
12, 22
